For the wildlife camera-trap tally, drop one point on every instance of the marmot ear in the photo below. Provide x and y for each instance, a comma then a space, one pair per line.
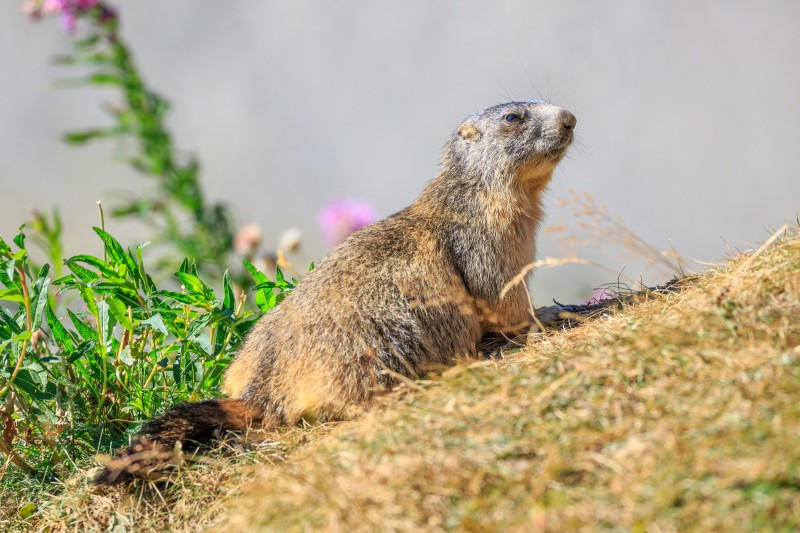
469, 132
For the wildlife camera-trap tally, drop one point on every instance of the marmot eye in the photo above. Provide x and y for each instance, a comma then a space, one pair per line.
513, 117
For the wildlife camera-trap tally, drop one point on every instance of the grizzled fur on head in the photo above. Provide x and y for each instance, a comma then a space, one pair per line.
530, 135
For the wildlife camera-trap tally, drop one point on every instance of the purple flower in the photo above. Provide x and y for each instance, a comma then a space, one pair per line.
340, 218
69, 10
68, 19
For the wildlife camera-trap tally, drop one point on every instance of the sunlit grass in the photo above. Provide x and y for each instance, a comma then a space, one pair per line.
678, 413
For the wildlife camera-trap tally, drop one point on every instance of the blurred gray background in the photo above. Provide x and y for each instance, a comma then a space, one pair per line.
687, 112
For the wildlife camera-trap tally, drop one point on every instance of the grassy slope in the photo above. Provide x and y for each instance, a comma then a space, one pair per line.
681, 412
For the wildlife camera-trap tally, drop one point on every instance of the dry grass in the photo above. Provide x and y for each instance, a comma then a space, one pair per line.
681, 412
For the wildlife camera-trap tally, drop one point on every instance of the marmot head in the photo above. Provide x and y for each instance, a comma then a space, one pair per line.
515, 141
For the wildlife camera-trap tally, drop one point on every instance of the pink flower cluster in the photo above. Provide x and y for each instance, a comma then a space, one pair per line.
68, 9
340, 218
599, 295
247, 240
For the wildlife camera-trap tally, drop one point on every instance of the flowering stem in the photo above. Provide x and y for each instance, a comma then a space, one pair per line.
143, 118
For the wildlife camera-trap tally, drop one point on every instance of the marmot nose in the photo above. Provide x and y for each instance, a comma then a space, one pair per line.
568, 119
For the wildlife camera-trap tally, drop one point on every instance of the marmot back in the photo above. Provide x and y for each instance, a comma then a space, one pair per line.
411, 293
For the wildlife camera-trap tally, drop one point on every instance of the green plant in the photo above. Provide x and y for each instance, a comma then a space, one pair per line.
77, 378
91, 346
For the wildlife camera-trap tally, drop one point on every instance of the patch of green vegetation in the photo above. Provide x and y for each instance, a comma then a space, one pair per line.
86, 357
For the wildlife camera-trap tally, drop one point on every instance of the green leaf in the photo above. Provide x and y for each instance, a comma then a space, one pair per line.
10, 273
133, 267
199, 373
120, 312
115, 251
157, 323
82, 273
105, 322
81, 349
82, 137
117, 288
88, 298
188, 299
5, 249
69, 279
203, 342
94, 58
265, 285
229, 301
220, 337
104, 268
101, 78
202, 321
34, 382
258, 276
176, 370
87, 42
27, 510
243, 326
125, 356
83, 329
11, 295
19, 240
25, 335
8, 319
39, 297
192, 283
37, 372
146, 281
266, 300
60, 334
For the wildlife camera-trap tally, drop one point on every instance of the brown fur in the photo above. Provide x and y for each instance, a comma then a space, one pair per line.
189, 425
406, 295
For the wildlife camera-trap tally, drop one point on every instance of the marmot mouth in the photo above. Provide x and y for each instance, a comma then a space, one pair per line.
555, 142
558, 149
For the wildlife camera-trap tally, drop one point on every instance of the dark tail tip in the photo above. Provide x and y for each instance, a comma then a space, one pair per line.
144, 459
162, 441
